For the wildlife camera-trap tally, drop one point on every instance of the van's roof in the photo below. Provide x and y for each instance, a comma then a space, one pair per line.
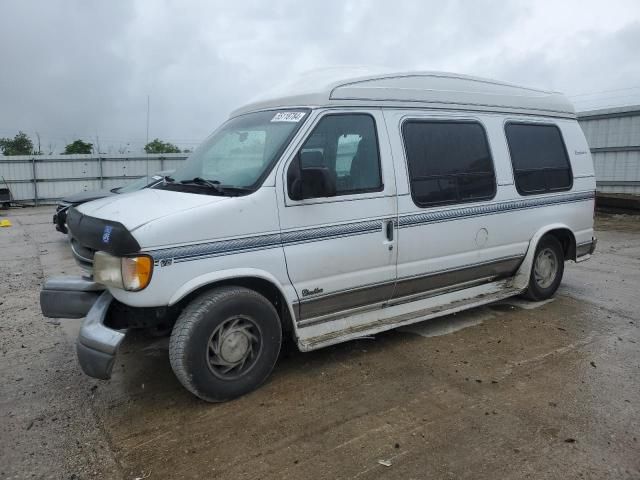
440, 90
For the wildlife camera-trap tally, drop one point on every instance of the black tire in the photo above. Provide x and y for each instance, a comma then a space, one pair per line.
542, 287
204, 320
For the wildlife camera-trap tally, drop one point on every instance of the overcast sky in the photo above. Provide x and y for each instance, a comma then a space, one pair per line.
83, 69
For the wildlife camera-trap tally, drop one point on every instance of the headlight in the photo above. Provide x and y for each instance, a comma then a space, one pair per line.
129, 273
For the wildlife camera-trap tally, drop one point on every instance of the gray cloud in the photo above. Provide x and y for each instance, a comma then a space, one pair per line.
84, 69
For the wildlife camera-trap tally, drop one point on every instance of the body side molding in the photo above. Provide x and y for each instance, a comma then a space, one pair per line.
232, 246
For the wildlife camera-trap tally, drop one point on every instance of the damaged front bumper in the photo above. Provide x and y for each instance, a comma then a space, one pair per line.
77, 297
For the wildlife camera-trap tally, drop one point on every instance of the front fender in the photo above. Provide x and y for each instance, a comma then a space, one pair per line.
521, 279
287, 291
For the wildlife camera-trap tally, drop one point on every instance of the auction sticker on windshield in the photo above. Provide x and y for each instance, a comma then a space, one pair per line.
288, 117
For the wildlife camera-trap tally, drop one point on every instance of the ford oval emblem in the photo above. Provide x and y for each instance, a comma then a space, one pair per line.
106, 233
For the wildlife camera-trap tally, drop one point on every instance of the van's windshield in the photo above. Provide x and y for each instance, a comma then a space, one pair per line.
237, 156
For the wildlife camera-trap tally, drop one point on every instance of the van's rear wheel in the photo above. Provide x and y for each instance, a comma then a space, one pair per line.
225, 343
547, 269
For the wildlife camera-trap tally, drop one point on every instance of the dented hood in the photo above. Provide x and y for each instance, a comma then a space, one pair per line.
139, 208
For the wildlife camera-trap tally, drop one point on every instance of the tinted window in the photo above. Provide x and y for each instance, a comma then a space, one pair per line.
347, 145
449, 162
539, 158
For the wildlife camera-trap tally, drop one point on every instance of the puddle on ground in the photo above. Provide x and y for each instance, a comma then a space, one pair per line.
449, 324
511, 303
453, 323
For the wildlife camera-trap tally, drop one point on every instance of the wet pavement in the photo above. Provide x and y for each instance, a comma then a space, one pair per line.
512, 390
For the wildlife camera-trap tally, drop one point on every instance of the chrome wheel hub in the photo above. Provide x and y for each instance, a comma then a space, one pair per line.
545, 268
233, 347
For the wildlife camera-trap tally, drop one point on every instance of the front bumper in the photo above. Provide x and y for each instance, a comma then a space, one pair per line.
60, 219
76, 297
98, 344
68, 297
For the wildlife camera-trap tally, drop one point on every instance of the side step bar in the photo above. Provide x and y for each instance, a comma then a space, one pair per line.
331, 333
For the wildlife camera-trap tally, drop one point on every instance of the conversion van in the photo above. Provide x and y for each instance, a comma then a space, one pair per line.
334, 211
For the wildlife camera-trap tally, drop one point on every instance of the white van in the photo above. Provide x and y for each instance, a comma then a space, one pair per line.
332, 213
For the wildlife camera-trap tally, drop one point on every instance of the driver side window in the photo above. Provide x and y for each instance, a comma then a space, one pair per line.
347, 146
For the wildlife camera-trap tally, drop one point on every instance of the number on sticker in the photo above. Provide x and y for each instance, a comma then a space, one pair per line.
287, 117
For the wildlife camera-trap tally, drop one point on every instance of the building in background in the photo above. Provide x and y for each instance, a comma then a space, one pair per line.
613, 135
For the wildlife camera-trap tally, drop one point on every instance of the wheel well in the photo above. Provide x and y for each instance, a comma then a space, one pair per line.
567, 240
260, 285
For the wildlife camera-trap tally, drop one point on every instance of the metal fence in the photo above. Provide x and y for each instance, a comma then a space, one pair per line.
613, 136
46, 178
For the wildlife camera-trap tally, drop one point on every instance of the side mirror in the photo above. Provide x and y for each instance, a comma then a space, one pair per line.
310, 182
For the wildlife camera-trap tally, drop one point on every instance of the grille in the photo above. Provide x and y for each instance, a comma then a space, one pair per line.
82, 254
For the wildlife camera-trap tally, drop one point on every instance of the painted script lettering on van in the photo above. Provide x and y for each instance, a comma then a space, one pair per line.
164, 262
306, 292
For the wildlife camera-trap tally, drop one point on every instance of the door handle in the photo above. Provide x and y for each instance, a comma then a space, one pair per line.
389, 230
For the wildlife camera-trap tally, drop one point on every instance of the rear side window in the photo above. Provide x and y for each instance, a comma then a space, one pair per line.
449, 162
539, 158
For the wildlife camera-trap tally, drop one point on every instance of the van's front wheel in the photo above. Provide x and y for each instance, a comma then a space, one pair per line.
547, 269
225, 343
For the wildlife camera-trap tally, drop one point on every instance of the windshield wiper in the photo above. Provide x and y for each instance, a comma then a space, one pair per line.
215, 184
227, 190
234, 188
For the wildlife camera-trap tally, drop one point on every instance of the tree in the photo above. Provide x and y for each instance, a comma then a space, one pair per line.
78, 147
158, 146
21, 144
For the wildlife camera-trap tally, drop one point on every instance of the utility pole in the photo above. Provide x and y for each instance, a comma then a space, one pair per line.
148, 110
